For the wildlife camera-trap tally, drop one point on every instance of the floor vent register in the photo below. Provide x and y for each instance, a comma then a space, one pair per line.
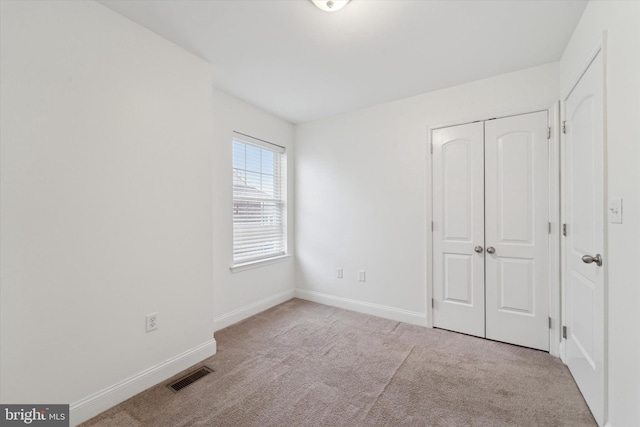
189, 379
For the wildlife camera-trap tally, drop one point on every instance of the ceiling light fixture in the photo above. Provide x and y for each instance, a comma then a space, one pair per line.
330, 5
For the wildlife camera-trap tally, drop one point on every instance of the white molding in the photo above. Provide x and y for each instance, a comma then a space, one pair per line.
384, 311
429, 249
498, 114
563, 214
599, 46
605, 249
259, 263
104, 399
555, 311
245, 312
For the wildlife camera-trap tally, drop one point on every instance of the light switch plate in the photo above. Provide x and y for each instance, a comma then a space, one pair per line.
615, 211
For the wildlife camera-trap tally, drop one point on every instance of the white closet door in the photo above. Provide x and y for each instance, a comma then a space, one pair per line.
516, 230
458, 213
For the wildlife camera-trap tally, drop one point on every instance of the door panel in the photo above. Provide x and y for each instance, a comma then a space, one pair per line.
516, 285
458, 274
516, 221
457, 197
458, 200
582, 301
584, 216
514, 192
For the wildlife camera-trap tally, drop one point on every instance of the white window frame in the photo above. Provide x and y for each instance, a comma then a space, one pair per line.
243, 226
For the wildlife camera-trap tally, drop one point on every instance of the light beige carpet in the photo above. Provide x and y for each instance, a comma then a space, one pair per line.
306, 364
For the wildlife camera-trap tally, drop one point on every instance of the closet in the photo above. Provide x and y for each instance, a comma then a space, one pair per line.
491, 229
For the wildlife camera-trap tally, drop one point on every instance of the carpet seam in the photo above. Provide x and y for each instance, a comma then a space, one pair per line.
388, 382
396, 327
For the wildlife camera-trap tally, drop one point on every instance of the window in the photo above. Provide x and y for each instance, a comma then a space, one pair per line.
259, 200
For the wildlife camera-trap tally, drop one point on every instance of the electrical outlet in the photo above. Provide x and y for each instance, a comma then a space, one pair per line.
152, 321
339, 274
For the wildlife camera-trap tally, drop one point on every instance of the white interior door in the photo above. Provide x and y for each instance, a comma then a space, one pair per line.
458, 228
516, 230
584, 218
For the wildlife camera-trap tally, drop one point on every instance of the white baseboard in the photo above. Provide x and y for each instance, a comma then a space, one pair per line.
386, 312
242, 313
96, 403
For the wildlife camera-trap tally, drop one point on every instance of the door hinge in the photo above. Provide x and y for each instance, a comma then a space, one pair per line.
432, 303
549, 132
549, 228
431, 225
549, 322
564, 127
564, 229
431, 147
564, 332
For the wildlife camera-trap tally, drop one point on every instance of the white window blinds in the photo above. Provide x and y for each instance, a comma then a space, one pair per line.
259, 200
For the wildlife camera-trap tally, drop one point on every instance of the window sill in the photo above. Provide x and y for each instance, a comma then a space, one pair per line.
259, 263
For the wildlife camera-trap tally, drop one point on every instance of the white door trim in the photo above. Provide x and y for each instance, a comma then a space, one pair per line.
555, 309
554, 217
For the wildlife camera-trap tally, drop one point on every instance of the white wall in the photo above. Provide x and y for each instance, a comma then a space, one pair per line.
116, 202
621, 19
241, 294
106, 200
116, 163
362, 193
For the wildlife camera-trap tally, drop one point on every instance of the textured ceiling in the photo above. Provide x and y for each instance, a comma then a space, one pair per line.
302, 64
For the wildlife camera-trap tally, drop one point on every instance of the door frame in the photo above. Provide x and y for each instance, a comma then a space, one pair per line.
553, 114
599, 47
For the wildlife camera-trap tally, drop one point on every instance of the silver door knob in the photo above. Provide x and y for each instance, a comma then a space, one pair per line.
478, 249
491, 250
588, 259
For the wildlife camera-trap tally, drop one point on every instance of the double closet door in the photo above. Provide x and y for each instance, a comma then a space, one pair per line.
491, 229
